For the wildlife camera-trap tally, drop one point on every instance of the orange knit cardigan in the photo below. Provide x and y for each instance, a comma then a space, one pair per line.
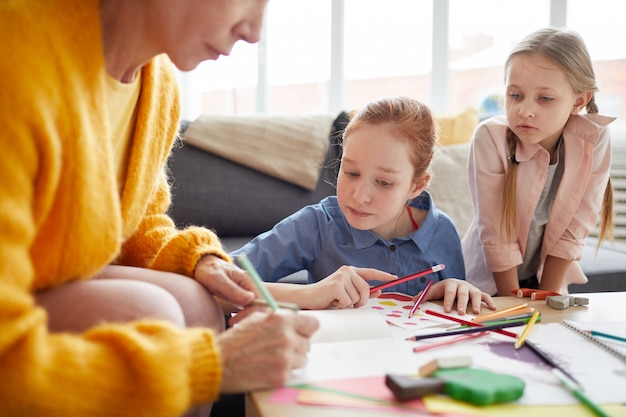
63, 218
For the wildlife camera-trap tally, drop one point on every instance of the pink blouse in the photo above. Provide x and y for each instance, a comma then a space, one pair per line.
574, 212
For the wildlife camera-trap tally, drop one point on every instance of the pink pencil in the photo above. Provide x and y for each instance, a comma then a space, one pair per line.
431, 270
420, 298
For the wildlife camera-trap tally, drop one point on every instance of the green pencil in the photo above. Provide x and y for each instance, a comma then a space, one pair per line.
521, 322
247, 265
568, 384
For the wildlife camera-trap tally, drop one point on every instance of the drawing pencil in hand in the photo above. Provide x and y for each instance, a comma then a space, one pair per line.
256, 279
420, 274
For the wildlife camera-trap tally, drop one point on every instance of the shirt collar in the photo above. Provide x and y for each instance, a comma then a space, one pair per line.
582, 127
366, 238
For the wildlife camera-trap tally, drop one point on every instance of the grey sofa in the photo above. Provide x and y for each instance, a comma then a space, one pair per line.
239, 202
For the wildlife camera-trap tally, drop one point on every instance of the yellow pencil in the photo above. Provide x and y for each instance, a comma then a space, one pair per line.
520, 340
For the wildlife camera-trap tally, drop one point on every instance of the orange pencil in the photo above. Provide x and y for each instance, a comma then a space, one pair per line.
516, 309
468, 323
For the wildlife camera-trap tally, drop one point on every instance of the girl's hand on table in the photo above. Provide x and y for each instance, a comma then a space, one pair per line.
464, 293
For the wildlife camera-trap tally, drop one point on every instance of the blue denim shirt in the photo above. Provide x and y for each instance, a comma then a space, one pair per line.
317, 238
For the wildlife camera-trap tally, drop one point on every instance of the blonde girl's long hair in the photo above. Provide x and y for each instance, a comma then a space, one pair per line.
568, 50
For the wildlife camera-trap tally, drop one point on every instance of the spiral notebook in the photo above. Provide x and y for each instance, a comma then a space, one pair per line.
599, 364
613, 346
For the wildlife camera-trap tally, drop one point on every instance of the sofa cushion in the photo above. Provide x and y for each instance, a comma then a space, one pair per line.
271, 144
457, 128
234, 200
605, 268
449, 186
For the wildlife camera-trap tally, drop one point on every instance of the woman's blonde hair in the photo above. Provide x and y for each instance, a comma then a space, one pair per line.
409, 119
567, 49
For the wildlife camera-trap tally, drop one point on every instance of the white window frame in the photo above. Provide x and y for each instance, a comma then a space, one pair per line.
439, 99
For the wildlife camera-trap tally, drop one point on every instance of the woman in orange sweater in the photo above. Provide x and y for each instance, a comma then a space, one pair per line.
106, 309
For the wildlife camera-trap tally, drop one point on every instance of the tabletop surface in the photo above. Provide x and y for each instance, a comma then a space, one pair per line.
608, 306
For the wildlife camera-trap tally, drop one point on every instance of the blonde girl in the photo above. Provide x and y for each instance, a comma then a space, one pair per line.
539, 176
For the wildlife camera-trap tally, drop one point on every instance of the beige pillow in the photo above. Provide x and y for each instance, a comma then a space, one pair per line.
449, 186
291, 148
457, 128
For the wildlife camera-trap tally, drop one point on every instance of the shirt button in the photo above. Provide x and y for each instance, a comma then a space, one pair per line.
393, 248
423, 280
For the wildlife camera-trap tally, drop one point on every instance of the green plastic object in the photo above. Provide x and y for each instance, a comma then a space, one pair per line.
479, 386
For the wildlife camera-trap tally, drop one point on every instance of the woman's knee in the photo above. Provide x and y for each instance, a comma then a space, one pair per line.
199, 307
198, 304
77, 306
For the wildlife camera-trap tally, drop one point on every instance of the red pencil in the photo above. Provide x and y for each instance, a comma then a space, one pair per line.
420, 298
468, 323
431, 270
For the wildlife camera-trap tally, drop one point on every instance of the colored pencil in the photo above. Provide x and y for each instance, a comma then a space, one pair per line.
452, 341
476, 329
513, 317
607, 336
420, 274
247, 265
501, 313
569, 385
522, 338
280, 304
519, 311
525, 318
548, 360
469, 323
420, 298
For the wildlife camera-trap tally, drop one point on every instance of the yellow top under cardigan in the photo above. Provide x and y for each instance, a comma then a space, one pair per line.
62, 218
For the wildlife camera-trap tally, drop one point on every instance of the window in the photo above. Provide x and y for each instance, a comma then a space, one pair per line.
225, 86
320, 56
482, 33
601, 24
387, 50
298, 57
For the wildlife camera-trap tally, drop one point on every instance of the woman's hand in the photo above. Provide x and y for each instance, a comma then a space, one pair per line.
263, 349
225, 280
463, 292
